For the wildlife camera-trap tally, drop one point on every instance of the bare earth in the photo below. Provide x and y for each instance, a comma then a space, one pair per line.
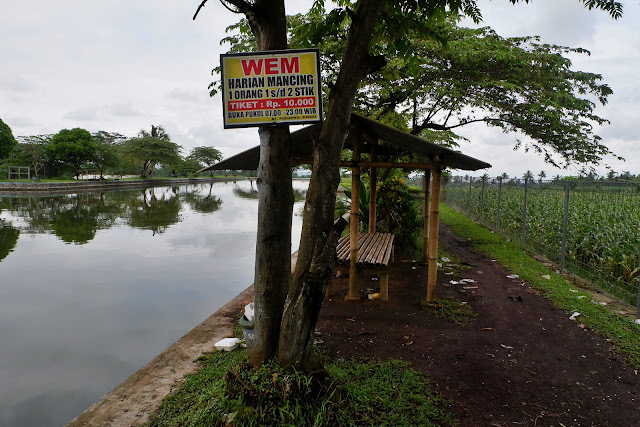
521, 363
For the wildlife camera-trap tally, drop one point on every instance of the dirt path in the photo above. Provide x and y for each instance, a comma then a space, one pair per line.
520, 363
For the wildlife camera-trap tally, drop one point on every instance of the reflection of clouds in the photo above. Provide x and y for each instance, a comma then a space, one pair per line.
54, 408
91, 315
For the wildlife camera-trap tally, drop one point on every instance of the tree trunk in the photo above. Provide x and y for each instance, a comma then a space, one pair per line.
275, 201
319, 236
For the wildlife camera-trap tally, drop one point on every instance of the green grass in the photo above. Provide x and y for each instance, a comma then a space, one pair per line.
451, 309
358, 393
621, 331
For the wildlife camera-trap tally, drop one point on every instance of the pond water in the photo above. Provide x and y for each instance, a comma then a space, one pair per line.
95, 285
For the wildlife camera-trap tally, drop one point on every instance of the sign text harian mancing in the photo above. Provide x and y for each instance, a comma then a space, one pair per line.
271, 87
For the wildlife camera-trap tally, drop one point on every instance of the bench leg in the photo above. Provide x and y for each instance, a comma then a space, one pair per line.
384, 286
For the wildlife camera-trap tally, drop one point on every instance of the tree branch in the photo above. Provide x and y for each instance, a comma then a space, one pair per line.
241, 5
436, 126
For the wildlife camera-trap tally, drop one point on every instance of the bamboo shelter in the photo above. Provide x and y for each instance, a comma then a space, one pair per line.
364, 138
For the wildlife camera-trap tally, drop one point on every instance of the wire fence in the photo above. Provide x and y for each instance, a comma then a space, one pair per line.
591, 229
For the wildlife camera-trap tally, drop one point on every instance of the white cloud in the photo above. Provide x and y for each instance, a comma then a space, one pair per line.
122, 66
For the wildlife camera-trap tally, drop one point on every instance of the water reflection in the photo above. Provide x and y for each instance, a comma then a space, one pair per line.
8, 239
75, 218
252, 193
94, 285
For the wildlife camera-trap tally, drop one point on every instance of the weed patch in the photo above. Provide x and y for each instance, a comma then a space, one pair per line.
451, 309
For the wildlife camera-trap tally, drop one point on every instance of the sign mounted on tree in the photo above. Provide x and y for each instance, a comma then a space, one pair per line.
264, 88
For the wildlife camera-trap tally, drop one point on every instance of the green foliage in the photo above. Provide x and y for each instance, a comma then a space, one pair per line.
399, 212
150, 212
440, 76
603, 242
8, 239
365, 197
203, 203
32, 151
77, 225
374, 393
189, 167
206, 155
7, 141
152, 148
105, 156
72, 147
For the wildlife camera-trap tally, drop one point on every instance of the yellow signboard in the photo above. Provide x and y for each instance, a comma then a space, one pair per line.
271, 87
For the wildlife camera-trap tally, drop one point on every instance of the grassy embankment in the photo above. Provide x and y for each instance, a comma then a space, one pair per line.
374, 393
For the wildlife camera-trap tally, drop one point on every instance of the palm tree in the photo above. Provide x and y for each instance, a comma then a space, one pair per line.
528, 176
157, 132
542, 175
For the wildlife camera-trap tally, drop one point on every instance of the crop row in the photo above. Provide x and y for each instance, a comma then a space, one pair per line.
602, 236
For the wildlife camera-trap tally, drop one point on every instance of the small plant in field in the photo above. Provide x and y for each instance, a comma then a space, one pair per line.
451, 309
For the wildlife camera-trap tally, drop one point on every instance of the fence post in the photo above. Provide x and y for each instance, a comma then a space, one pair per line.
482, 202
523, 236
470, 199
565, 222
499, 201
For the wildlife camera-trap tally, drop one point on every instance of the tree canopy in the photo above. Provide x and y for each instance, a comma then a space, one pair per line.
7, 141
440, 77
72, 147
206, 155
152, 148
32, 150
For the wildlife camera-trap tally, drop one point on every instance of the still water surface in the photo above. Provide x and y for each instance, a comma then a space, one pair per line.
95, 285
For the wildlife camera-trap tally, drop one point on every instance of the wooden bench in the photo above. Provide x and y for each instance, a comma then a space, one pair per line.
375, 251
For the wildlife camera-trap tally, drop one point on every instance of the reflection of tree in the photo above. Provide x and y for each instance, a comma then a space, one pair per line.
152, 213
246, 194
298, 195
77, 225
203, 204
75, 218
8, 239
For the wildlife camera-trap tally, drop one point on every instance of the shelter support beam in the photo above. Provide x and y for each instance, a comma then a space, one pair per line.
434, 217
425, 230
399, 165
373, 179
354, 221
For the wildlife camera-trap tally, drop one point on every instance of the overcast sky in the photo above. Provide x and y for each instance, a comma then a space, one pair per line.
121, 66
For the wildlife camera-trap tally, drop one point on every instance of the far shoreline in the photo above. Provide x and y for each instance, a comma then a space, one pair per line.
8, 188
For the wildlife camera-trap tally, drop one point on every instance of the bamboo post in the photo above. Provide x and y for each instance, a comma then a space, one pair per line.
434, 217
565, 224
373, 179
384, 286
354, 222
425, 231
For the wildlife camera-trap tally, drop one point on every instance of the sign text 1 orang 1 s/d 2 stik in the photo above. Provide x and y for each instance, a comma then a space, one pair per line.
271, 87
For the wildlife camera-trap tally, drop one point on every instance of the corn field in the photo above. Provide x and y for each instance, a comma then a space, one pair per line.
589, 228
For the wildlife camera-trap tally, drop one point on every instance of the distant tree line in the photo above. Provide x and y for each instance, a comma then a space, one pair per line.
611, 176
71, 152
